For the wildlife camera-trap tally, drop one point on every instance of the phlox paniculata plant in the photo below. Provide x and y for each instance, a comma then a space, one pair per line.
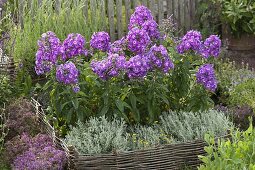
136, 77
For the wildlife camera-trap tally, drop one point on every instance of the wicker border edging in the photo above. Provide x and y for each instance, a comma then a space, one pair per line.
49, 129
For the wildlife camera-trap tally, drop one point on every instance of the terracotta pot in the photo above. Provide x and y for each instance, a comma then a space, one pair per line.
245, 42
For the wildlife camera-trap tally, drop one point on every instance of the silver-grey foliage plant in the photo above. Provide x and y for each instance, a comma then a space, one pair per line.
187, 126
98, 135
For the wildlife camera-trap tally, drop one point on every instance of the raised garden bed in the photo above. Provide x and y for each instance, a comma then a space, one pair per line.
171, 156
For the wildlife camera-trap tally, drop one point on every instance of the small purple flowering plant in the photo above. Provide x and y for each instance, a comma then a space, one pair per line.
35, 153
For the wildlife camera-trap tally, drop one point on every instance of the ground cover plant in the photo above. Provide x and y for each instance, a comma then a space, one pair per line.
26, 145
136, 77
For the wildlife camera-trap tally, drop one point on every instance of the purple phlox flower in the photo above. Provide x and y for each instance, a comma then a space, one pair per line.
138, 40
140, 16
211, 47
191, 41
160, 59
118, 47
73, 45
138, 66
151, 27
47, 54
109, 67
68, 74
100, 41
206, 77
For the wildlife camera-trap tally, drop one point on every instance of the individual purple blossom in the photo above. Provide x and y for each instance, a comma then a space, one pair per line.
151, 27
73, 45
100, 41
109, 67
211, 47
138, 40
47, 53
67, 73
138, 66
76, 88
206, 77
139, 17
191, 41
160, 59
118, 46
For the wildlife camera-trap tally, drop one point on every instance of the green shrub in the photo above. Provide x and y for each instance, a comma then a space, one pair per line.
6, 89
98, 135
237, 153
243, 94
187, 126
229, 76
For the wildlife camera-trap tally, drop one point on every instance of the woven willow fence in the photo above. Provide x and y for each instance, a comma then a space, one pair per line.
114, 15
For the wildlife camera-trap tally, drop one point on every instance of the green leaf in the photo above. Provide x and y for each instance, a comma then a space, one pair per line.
119, 104
104, 110
133, 100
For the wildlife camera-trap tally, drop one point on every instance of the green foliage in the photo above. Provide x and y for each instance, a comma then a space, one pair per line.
208, 16
184, 92
229, 76
3, 129
239, 15
243, 94
98, 135
6, 90
237, 153
23, 83
187, 126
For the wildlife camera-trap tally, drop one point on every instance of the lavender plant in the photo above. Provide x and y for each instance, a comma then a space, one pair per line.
135, 77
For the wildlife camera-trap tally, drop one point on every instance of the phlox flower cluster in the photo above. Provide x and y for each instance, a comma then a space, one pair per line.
206, 77
151, 27
138, 66
118, 46
41, 154
100, 41
73, 46
142, 18
139, 17
191, 41
160, 59
138, 40
68, 74
47, 53
211, 47
109, 67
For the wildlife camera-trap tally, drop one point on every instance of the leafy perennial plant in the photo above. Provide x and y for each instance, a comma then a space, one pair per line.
132, 76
